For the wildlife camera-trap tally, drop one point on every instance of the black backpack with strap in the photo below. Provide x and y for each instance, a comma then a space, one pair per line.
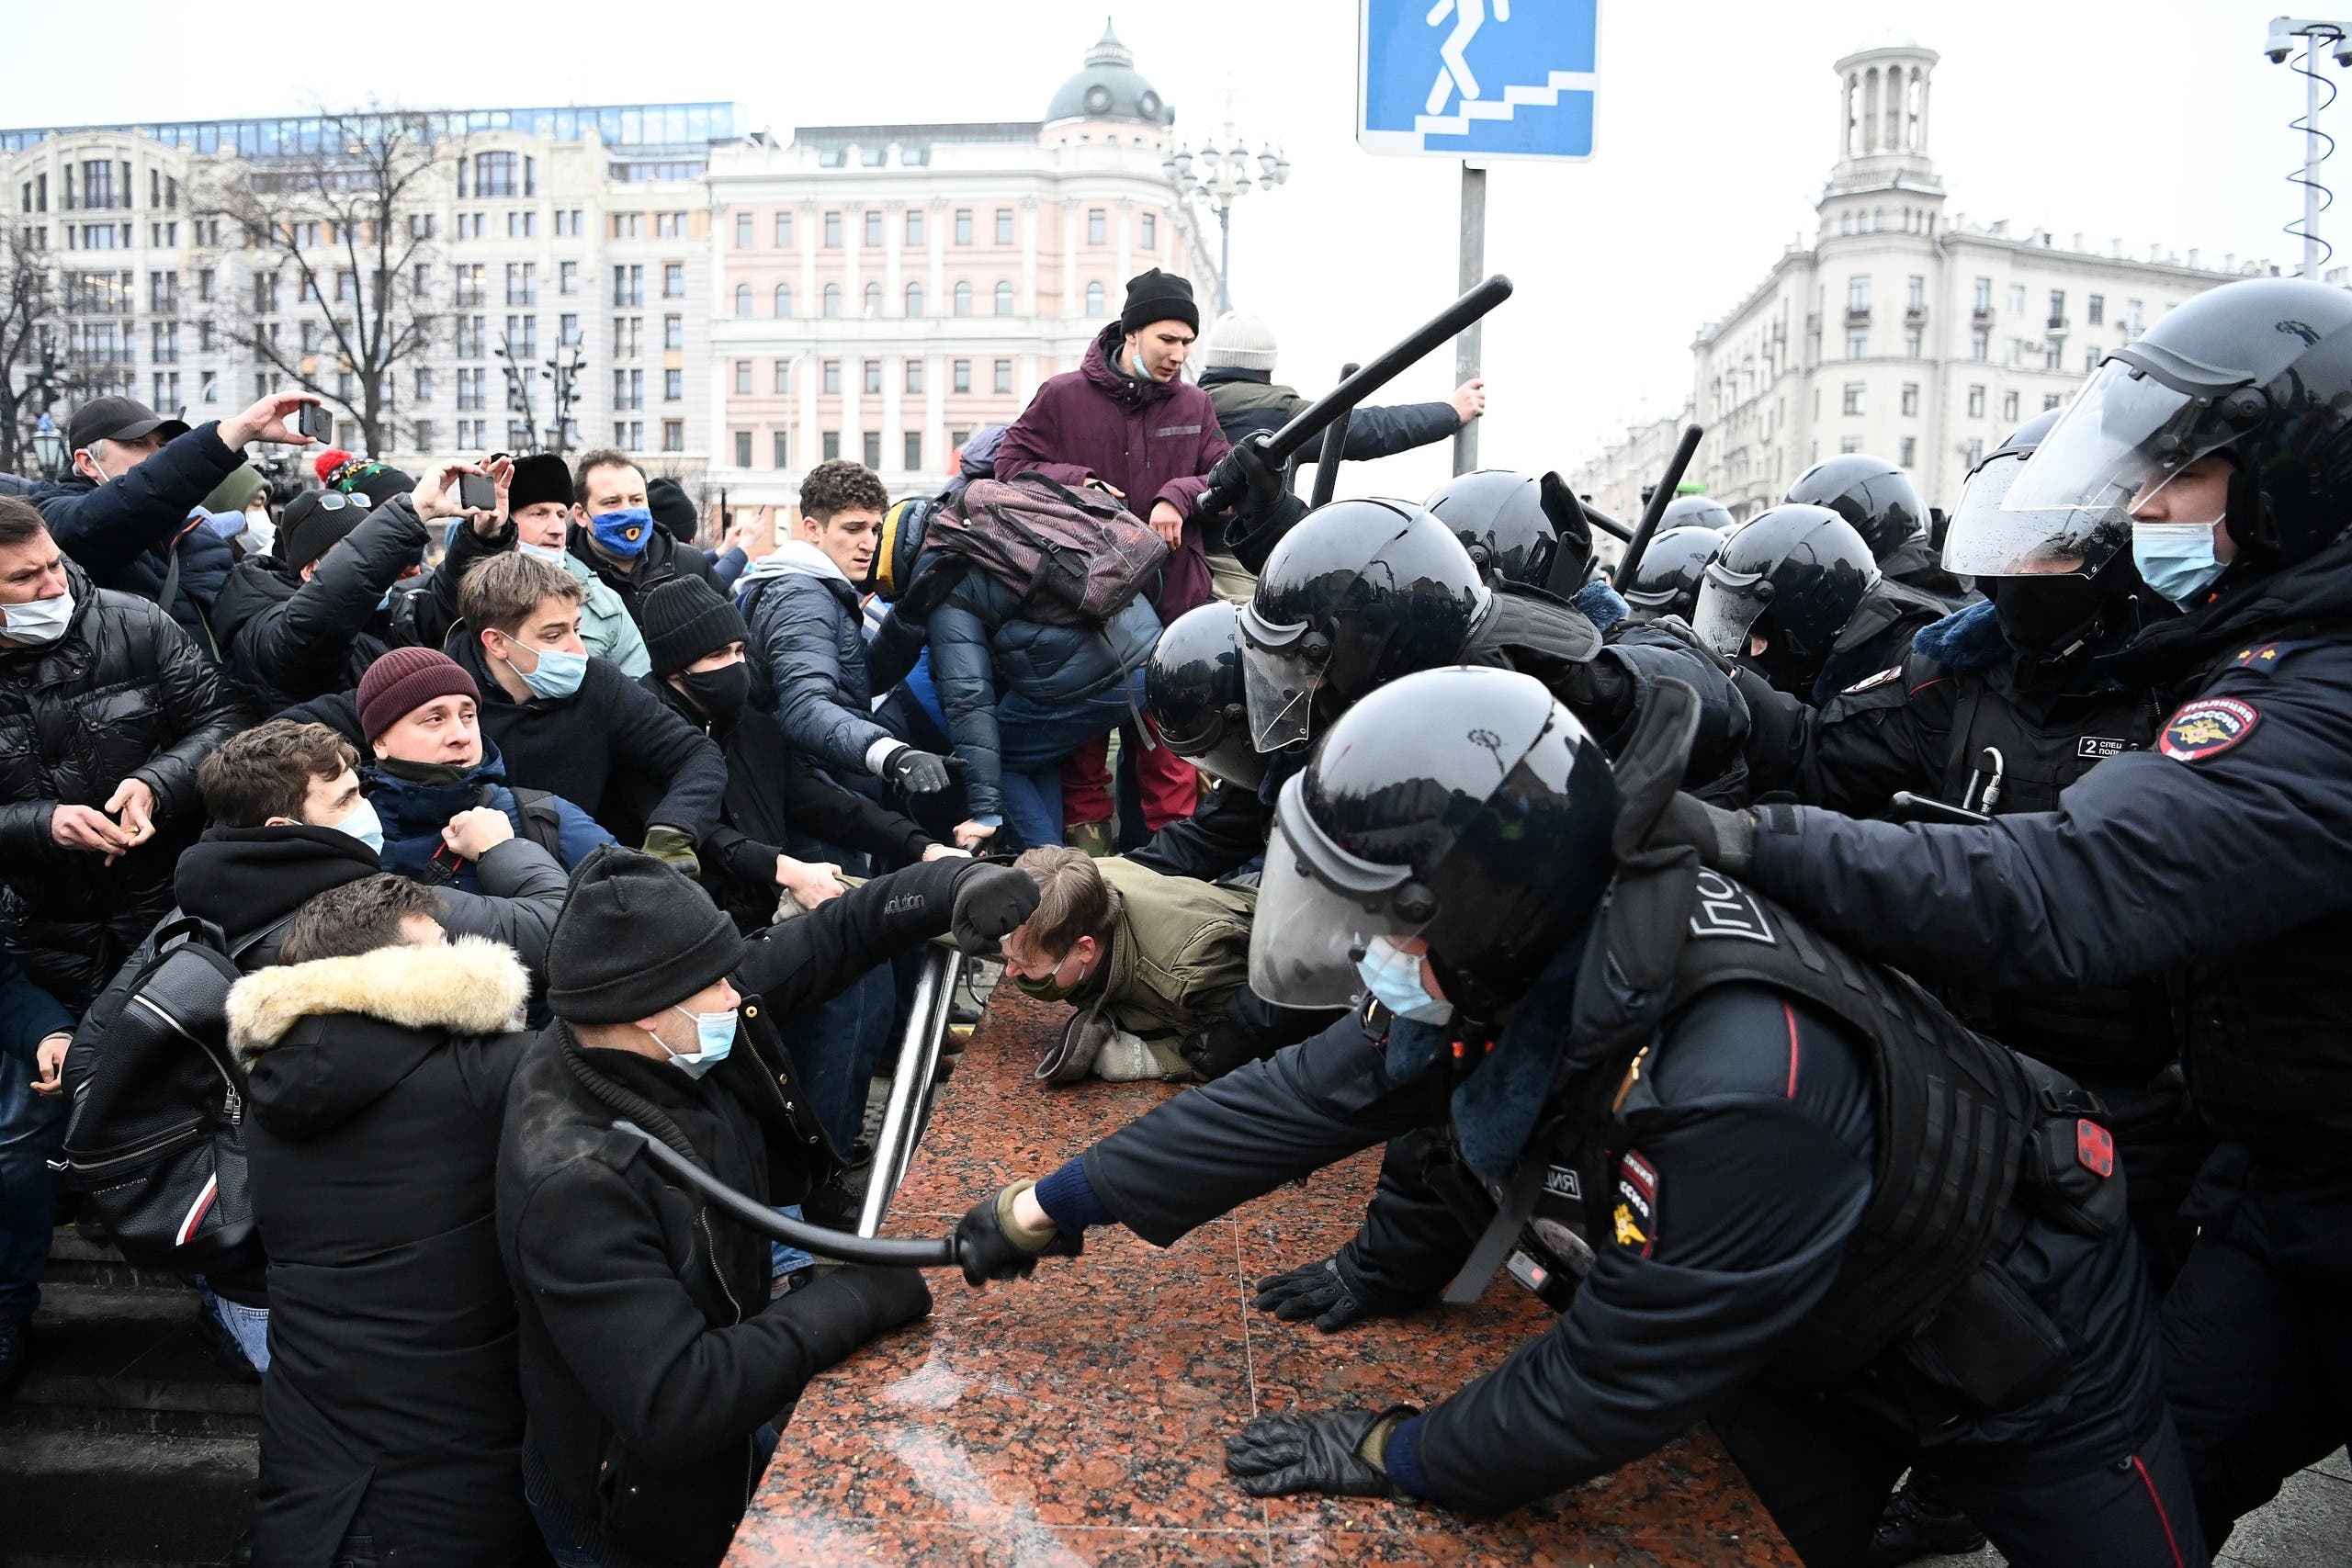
155, 1140
542, 824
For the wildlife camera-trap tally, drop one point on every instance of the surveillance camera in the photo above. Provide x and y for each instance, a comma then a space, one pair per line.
2280, 44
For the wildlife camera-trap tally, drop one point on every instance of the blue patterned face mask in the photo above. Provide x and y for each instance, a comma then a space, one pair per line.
2175, 558
1394, 977
626, 532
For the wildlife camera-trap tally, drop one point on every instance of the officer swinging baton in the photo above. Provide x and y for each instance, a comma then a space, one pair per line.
821, 1239
1227, 483
1675, 467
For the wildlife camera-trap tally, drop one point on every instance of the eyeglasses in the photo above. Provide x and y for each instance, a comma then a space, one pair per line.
335, 501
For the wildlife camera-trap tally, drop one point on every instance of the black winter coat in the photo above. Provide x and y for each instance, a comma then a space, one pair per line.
662, 559
617, 1269
122, 695
378, 1093
119, 532
772, 791
290, 640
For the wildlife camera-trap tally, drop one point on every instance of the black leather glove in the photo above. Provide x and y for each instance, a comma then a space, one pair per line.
990, 1245
1572, 557
1598, 692
918, 772
1335, 1451
1724, 839
990, 900
1317, 1291
891, 1298
1216, 1050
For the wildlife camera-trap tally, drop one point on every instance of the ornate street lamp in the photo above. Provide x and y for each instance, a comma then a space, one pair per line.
49, 449
1221, 177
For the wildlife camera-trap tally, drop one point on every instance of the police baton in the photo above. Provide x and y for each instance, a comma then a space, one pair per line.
1228, 484
1334, 449
824, 1240
1675, 467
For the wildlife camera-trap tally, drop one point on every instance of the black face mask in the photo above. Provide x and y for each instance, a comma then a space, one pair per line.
719, 693
2047, 618
427, 772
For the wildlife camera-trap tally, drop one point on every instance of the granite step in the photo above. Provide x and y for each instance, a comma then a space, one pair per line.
129, 1359
76, 1499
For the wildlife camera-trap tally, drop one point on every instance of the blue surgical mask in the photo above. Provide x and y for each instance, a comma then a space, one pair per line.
625, 532
556, 675
713, 1037
363, 825
2175, 558
1394, 977
552, 554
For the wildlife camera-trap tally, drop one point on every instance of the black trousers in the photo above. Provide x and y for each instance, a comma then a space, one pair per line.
2258, 1331
1824, 1481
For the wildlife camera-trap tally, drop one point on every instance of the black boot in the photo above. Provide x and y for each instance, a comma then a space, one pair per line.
1922, 1520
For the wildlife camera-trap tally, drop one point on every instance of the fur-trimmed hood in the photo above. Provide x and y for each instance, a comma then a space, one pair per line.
472, 985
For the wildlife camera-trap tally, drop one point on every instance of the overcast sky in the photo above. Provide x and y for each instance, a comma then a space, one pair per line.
2159, 120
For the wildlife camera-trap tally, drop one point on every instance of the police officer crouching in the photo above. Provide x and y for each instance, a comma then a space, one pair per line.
1821, 1213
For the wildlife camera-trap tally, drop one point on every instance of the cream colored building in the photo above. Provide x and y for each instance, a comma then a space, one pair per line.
881, 292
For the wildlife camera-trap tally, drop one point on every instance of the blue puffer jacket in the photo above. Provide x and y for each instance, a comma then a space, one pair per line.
809, 658
980, 649
415, 814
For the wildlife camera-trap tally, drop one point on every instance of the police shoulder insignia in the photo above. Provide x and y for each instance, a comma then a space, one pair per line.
2207, 727
1881, 679
1725, 909
1635, 1221
2264, 657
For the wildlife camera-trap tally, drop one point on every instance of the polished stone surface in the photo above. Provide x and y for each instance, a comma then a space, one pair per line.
1080, 1418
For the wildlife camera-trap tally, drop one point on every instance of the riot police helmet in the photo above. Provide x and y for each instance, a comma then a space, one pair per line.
1874, 495
1192, 690
1499, 516
1358, 593
2256, 372
1793, 576
1667, 580
2053, 615
1697, 511
1461, 808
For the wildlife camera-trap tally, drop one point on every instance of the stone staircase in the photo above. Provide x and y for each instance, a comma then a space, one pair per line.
129, 1441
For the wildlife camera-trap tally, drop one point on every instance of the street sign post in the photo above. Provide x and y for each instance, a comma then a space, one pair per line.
1475, 79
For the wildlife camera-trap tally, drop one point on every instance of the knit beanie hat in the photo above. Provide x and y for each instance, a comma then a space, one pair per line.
1158, 296
314, 522
683, 619
666, 498
634, 937
1240, 340
538, 477
237, 491
338, 469
405, 679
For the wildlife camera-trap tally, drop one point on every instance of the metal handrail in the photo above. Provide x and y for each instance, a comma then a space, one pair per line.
909, 1106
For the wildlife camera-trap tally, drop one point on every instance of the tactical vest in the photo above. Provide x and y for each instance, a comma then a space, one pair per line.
2034, 758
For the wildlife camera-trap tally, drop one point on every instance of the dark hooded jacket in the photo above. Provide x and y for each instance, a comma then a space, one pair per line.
1251, 402
125, 533
378, 1093
810, 663
122, 695
290, 640
1150, 441
413, 815
662, 559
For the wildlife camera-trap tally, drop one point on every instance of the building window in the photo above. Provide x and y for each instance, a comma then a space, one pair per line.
424, 383
673, 333
963, 298
628, 389
914, 301
1098, 226
1004, 374
871, 454
1907, 451
1095, 299
628, 286
914, 451
833, 381
424, 435
873, 300
2090, 357
783, 230
673, 436
1150, 231
781, 384
568, 329
743, 301
566, 224
1853, 397
1915, 293
962, 379
1975, 451
625, 225
742, 230
871, 376
914, 376
914, 225
1983, 302
1005, 225
2017, 299
832, 230
2009, 405
833, 299
1980, 344
2057, 307
1976, 402
2094, 309
743, 377
674, 387
1858, 292
782, 300
1004, 299
831, 445
1913, 342
1910, 400
742, 448
2132, 317
963, 225
1857, 345
673, 280
567, 277
2051, 401
873, 227
2053, 356
1849, 444
780, 449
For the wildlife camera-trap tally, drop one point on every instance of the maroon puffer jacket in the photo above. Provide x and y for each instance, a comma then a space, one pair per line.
1153, 442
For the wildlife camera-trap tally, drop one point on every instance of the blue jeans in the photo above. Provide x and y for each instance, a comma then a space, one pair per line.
249, 1327
32, 1129
1032, 738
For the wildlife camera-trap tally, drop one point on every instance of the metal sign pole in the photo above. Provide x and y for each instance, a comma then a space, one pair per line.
1473, 267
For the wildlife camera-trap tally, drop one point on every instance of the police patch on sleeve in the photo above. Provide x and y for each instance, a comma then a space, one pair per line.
1725, 909
1635, 1223
2207, 727
1867, 681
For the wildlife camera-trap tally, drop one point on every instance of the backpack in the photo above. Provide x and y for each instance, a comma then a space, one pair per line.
1076, 558
155, 1141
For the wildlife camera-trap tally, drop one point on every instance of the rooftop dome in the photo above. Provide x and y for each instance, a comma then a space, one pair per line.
1110, 87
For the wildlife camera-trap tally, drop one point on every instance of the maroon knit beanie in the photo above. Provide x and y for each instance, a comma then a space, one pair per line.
405, 679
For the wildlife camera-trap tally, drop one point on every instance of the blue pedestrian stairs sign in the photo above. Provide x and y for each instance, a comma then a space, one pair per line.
1480, 79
